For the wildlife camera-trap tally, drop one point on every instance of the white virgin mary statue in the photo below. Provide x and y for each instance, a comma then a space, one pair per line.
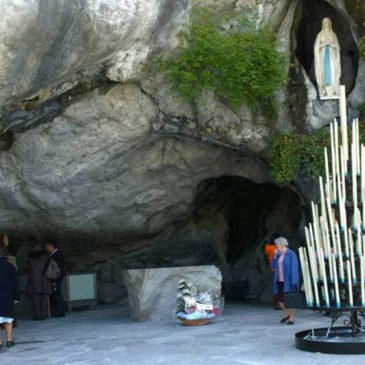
327, 62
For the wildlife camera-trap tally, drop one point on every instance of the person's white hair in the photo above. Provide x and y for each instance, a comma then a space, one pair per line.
281, 241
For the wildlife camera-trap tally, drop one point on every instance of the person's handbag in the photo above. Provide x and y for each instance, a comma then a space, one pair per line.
294, 300
53, 271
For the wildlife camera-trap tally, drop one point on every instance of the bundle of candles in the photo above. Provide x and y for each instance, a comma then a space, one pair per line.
333, 263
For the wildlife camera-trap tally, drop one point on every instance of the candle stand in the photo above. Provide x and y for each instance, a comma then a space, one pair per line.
348, 338
333, 261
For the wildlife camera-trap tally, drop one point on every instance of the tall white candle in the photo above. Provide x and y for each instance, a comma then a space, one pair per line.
343, 114
306, 277
342, 195
345, 235
357, 132
353, 140
327, 174
318, 224
314, 263
352, 258
324, 277
359, 251
362, 183
323, 203
337, 155
317, 236
343, 173
309, 282
354, 182
340, 258
304, 274
362, 280
353, 145
362, 172
349, 282
359, 218
328, 249
335, 280
324, 236
311, 236
313, 254
307, 237
334, 159
331, 225
314, 269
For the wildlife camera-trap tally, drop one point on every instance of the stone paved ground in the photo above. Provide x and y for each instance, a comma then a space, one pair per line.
247, 334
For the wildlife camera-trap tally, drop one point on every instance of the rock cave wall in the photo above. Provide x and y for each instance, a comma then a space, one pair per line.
100, 154
229, 222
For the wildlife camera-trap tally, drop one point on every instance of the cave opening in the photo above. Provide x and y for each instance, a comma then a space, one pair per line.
310, 15
249, 213
227, 226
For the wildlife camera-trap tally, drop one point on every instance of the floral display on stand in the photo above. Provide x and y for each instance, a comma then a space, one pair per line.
195, 308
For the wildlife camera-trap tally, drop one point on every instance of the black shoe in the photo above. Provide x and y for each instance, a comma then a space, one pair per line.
10, 343
283, 320
290, 322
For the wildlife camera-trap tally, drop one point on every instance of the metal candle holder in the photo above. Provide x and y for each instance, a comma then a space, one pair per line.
333, 261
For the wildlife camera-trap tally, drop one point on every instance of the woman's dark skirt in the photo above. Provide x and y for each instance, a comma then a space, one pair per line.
280, 295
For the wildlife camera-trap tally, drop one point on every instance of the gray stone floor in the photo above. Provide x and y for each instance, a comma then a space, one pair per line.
246, 334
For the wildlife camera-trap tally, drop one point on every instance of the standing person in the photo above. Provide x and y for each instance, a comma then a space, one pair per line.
11, 257
12, 251
38, 286
270, 250
56, 300
9, 295
286, 276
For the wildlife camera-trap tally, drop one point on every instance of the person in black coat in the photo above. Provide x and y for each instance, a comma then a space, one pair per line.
9, 295
57, 304
38, 286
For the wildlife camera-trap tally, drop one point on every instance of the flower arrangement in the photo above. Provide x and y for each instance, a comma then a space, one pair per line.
193, 307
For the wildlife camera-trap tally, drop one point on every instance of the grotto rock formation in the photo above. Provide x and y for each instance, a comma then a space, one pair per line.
101, 154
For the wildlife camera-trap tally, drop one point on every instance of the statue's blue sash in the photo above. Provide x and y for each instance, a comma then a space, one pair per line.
327, 74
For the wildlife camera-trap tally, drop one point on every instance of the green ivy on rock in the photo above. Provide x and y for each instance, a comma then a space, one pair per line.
292, 153
240, 65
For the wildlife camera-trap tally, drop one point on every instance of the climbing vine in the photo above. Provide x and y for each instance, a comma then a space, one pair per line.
292, 153
240, 64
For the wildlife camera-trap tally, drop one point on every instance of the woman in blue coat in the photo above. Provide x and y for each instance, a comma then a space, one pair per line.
286, 276
9, 295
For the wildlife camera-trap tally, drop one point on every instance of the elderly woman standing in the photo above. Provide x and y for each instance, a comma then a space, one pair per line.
9, 295
286, 275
